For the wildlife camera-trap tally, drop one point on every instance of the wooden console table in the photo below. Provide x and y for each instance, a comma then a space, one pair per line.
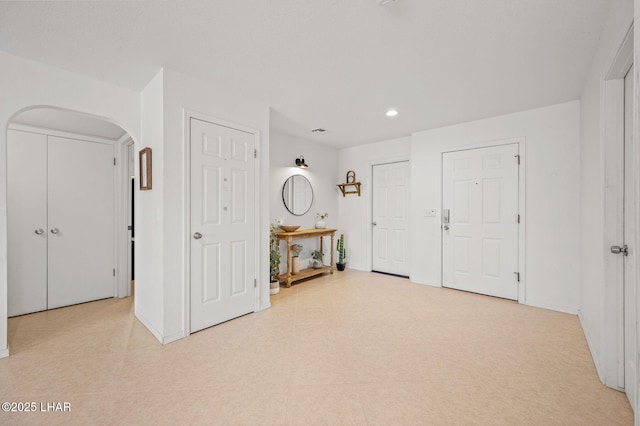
288, 237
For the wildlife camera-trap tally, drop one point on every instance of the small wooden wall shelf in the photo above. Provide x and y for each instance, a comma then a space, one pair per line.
344, 186
350, 181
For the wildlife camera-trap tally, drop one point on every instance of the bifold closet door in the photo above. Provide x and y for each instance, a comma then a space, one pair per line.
26, 222
80, 205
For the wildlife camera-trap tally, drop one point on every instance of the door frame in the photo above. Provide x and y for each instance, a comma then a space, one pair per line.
370, 213
612, 136
521, 142
369, 218
122, 246
188, 115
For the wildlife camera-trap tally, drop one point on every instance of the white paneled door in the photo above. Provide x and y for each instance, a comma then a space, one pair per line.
60, 221
223, 246
480, 239
390, 219
629, 273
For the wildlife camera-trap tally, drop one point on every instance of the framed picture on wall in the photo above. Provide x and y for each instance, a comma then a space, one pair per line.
145, 169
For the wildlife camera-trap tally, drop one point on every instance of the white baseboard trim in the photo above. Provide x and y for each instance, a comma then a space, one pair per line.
552, 307
355, 268
594, 354
427, 284
264, 307
174, 337
149, 327
4, 353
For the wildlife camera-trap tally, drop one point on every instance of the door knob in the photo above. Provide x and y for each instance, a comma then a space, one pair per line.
197, 235
54, 230
374, 223
445, 219
620, 250
39, 231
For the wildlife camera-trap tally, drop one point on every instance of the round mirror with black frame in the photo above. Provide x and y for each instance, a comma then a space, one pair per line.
297, 195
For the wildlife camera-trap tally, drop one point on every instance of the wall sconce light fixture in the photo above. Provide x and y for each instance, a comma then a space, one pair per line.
300, 162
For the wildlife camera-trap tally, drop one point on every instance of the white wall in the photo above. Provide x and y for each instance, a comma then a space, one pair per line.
354, 211
551, 217
636, 160
149, 290
323, 166
181, 93
24, 84
592, 183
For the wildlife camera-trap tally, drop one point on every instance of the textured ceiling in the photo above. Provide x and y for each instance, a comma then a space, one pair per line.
336, 64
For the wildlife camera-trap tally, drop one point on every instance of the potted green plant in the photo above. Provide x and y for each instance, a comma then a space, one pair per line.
317, 259
341, 253
274, 259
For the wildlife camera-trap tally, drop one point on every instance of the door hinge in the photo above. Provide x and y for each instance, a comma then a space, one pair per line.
114, 272
518, 218
255, 153
255, 283
517, 276
518, 158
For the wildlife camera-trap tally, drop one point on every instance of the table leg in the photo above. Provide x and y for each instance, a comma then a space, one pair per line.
288, 263
332, 253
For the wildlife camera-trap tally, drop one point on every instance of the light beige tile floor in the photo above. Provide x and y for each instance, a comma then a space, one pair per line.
349, 348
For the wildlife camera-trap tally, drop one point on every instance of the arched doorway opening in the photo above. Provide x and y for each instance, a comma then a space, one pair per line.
69, 210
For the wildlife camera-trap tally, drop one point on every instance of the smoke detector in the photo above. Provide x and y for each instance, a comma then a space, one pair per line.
385, 2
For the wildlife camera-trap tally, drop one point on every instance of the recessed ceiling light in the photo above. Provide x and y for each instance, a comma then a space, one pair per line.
392, 113
385, 2
318, 130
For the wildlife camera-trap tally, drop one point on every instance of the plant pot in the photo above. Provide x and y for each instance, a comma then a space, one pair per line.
341, 266
317, 264
321, 224
274, 287
295, 265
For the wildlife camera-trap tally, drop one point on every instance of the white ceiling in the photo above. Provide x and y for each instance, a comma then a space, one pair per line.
336, 64
68, 121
